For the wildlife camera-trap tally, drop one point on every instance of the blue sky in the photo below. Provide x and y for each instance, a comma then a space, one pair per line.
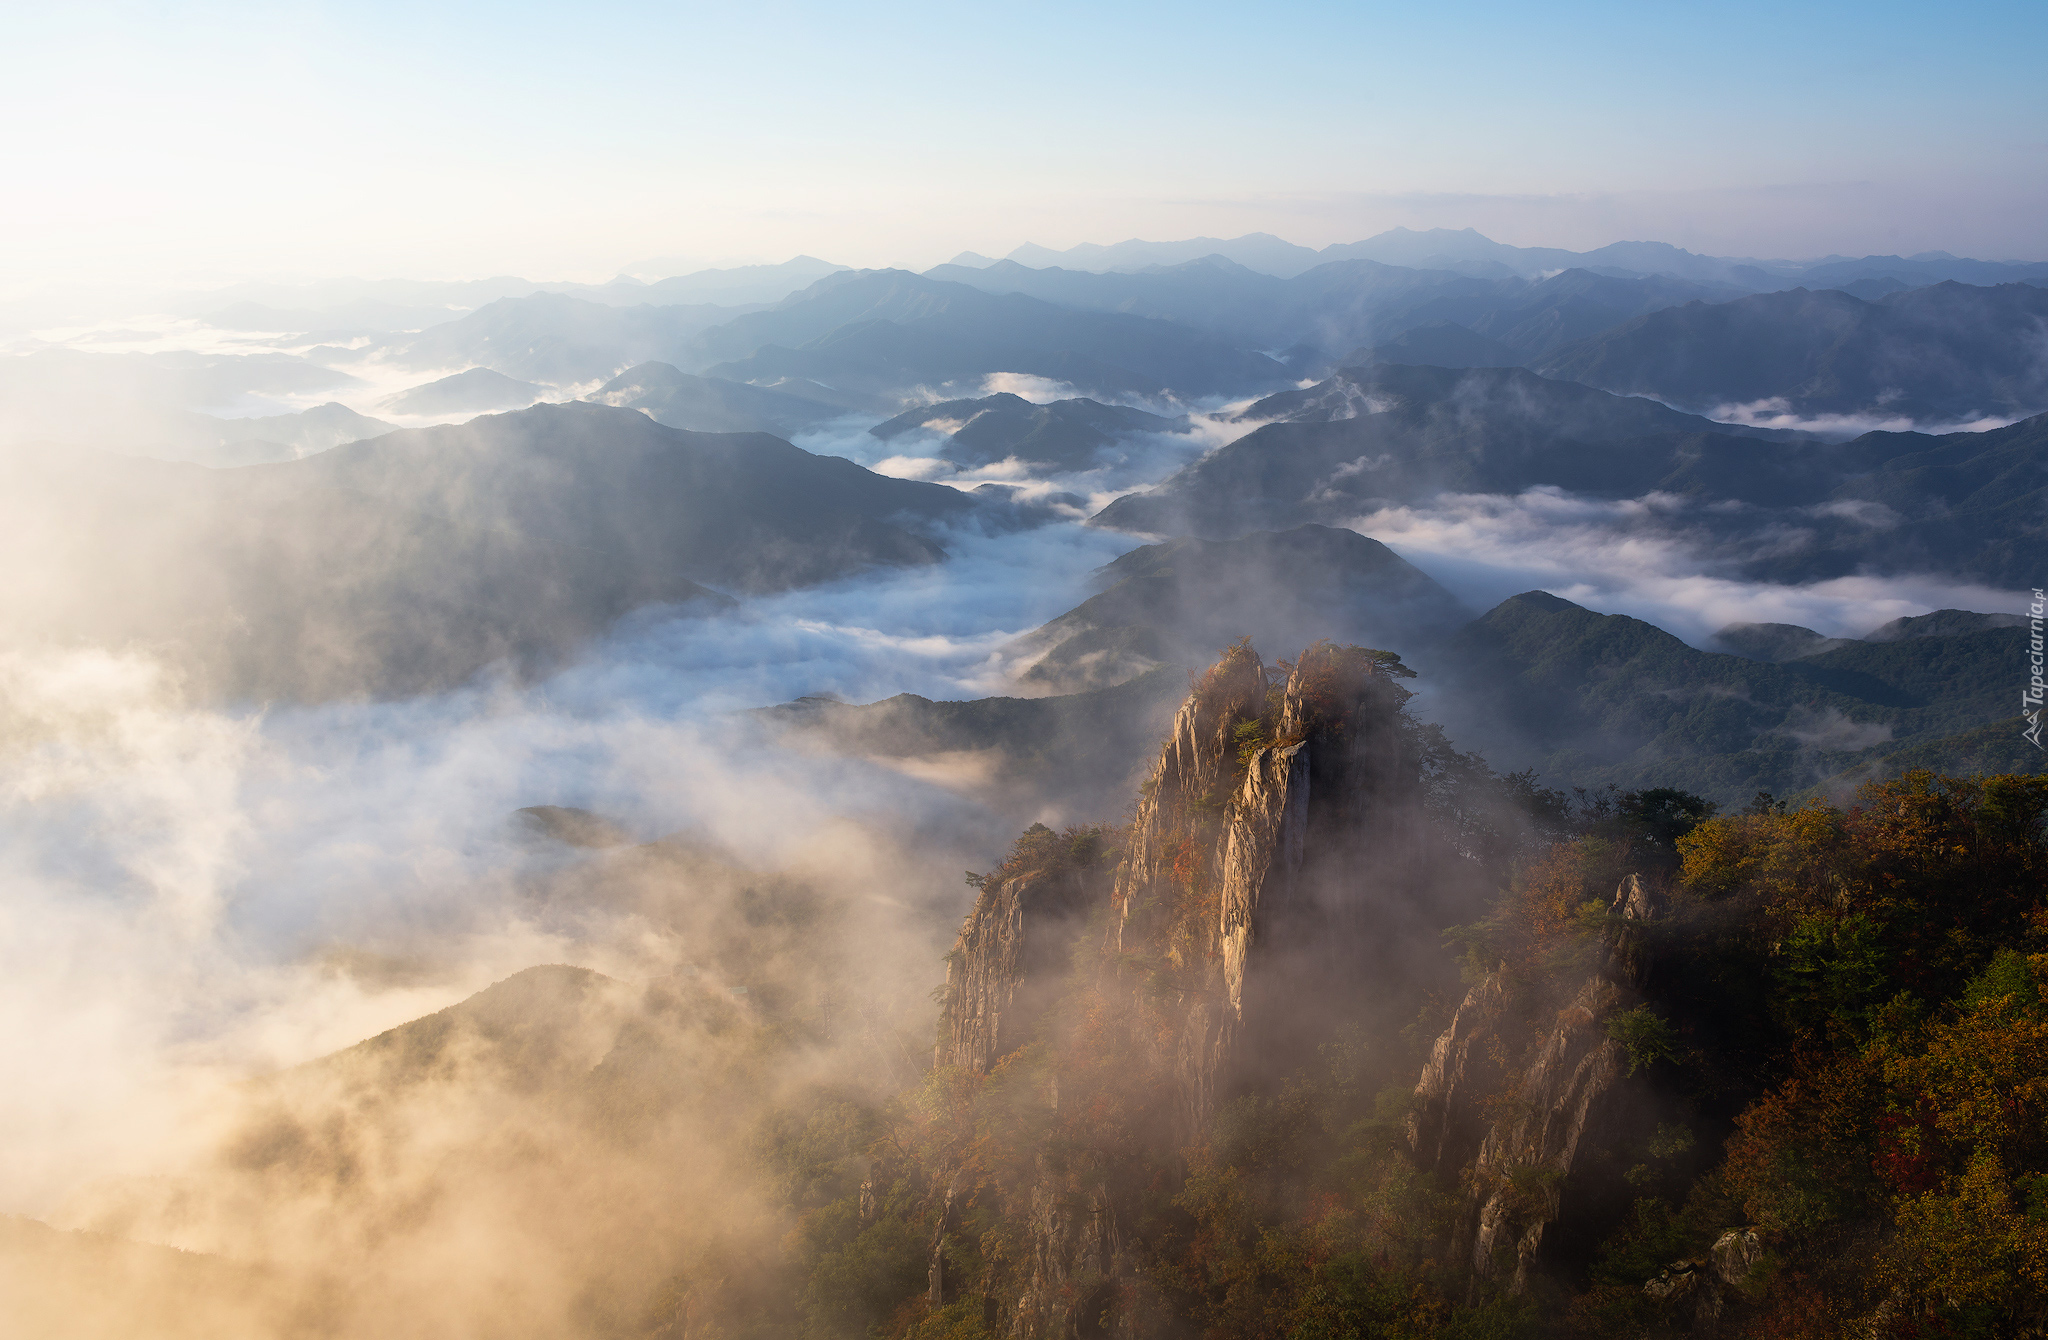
204, 140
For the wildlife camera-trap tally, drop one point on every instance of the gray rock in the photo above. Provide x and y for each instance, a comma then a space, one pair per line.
1735, 1254
1444, 1129
1012, 952
1520, 1173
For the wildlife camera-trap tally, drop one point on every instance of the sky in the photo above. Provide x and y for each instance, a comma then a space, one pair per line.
196, 143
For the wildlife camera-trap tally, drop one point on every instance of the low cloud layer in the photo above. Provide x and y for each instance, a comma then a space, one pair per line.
1138, 460
1777, 412
199, 894
1648, 557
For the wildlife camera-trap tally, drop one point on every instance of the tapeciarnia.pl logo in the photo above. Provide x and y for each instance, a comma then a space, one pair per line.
2030, 701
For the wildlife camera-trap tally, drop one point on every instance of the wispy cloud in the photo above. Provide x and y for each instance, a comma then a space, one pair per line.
1639, 557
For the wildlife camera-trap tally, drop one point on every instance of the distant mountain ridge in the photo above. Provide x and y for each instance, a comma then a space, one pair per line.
274, 437
328, 304
1466, 250
1537, 682
475, 391
1790, 642
669, 395
1177, 603
555, 339
1371, 435
1607, 698
889, 331
1946, 352
1339, 305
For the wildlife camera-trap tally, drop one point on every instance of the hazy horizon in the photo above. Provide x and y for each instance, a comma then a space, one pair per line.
230, 142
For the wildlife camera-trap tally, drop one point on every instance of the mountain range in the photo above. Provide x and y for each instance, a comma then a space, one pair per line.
1606, 698
552, 338
1966, 504
884, 331
476, 391
206, 439
1178, 603
1466, 250
408, 304
1538, 683
1837, 343
1372, 435
1791, 642
1339, 305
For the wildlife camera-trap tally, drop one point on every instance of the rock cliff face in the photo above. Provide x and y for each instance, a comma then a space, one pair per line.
1012, 951
1562, 1094
1276, 803
1519, 1176
1445, 1125
1273, 809
1078, 1264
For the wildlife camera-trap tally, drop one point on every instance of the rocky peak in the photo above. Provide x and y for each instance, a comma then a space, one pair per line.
1197, 757
1238, 900
1625, 954
1255, 842
1444, 1125
1701, 1286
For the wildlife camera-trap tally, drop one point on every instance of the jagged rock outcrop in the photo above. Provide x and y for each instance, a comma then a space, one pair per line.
1518, 1178
939, 1285
1696, 1291
1272, 810
1626, 948
1525, 1158
1736, 1254
1163, 853
1077, 1256
1444, 1125
1264, 843
1013, 950
1256, 840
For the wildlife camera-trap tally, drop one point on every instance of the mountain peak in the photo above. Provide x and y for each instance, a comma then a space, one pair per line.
1540, 600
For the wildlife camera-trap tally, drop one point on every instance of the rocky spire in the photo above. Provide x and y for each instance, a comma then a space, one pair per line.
1257, 841
1240, 896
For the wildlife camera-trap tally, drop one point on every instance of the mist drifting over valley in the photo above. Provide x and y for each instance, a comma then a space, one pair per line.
1484, 686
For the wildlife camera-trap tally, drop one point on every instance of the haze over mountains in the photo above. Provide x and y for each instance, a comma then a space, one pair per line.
1944, 352
640, 664
1466, 250
716, 672
1198, 389
1829, 345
